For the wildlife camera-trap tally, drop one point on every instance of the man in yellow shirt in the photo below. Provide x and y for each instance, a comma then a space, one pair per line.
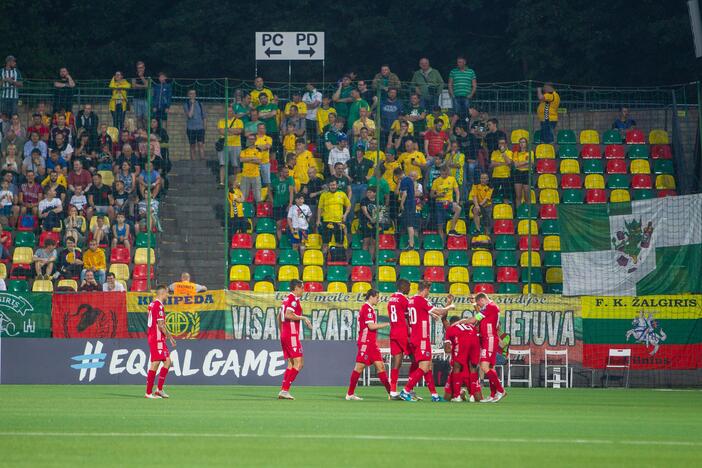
481, 200
263, 144
547, 112
444, 190
304, 160
363, 121
373, 154
334, 207
501, 165
233, 128
260, 89
436, 113
251, 169
296, 101
94, 260
413, 159
323, 114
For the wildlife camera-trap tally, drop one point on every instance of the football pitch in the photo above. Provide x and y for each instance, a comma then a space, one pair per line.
247, 426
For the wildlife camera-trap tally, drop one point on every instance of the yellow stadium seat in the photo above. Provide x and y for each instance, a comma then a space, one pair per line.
459, 289
108, 177
547, 181
43, 286
552, 243
120, 270
410, 258
554, 275
535, 289
354, 226
313, 273
360, 287
22, 255
481, 259
594, 181
549, 197
414, 289
658, 137
288, 273
532, 197
265, 242
433, 258
527, 225
589, 137
458, 275
313, 257
142, 256
518, 134
314, 242
387, 274
337, 287
68, 283
264, 193
502, 211
264, 286
640, 166
482, 239
545, 151
93, 221
570, 166
460, 226
665, 182
239, 273
123, 283
535, 260
3, 271
619, 196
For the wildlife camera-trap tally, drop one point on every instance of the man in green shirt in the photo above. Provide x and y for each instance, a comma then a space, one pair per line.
267, 112
331, 136
342, 98
428, 83
463, 82
251, 122
382, 189
355, 108
281, 194
417, 114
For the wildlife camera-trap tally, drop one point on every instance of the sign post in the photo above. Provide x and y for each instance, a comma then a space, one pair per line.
295, 45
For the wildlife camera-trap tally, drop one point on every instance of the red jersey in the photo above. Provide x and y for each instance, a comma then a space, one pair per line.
397, 312
156, 312
366, 315
419, 309
290, 328
460, 334
488, 324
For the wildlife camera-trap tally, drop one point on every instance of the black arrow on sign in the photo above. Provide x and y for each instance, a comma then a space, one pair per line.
309, 52
270, 52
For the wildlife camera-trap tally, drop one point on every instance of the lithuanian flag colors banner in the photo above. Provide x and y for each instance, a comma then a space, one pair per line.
201, 316
663, 332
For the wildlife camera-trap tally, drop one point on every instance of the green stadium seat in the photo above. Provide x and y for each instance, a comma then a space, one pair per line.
284, 243
357, 241
612, 137
386, 287
337, 273
457, 258
240, 257
537, 137
593, 166
249, 210
663, 166
17, 286
568, 152
509, 288
536, 275
264, 273
410, 273
387, 257
523, 212
566, 137
506, 258
483, 275
552, 259
438, 288
433, 242
505, 242
555, 288
638, 151
25, 239
142, 240
288, 257
265, 226
403, 241
618, 181
573, 197
361, 258
283, 286
643, 194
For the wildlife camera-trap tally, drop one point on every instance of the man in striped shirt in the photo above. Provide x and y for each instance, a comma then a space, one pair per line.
10, 79
462, 84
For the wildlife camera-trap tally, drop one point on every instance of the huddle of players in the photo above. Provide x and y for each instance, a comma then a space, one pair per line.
473, 342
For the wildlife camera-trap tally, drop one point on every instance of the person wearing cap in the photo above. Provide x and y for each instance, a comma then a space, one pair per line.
10, 82
339, 153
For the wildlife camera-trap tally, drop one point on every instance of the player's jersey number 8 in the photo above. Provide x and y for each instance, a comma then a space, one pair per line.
393, 314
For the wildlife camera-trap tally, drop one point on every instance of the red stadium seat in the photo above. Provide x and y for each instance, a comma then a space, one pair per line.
548, 212
571, 181
616, 166
313, 286
591, 152
264, 210
635, 137
138, 285
55, 236
596, 196
239, 286
242, 240
503, 226
524, 243
265, 257
436, 274
486, 288
140, 272
546, 166
274, 166
387, 242
615, 152
661, 152
666, 193
641, 181
362, 273
103, 242
507, 275
457, 243
120, 254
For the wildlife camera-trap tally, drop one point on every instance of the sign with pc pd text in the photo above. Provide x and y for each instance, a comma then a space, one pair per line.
289, 46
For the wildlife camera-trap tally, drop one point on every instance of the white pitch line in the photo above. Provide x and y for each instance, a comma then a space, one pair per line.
671, 443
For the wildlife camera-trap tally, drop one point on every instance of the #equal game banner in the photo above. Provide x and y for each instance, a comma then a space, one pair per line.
201, 316
25, 315
89, 315
663, 332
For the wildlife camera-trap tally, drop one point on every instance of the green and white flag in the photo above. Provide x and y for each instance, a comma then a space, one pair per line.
638, 248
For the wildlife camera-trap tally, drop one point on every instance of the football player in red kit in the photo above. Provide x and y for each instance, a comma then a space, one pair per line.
420, 313
368, 351
461, 340
290, 327
399, 333
157, 334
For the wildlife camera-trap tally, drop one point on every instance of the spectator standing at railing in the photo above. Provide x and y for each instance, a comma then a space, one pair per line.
140, 83
385, 80
342, 98
251, 169
324, 114
390, 110
355, 107
11, 80
161, 99
462, 85
259, 90
313, 100
63, 91
89, 121
623, 122
268, 114
195, 125
427, 83
417, 115
547, 111
118, 102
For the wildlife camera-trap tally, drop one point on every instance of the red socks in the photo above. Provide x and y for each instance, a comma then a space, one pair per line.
394, 376
473, 383
383, 376
288, 378
429, 380
150, 377
415, 377
353, 381
494, 382
456, 381
413, 367
162, 377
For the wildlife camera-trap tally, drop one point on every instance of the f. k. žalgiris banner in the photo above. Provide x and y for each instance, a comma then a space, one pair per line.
663, 332
25, 315
640, 248
201, 316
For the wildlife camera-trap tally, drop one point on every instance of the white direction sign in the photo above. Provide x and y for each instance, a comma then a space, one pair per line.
289, 46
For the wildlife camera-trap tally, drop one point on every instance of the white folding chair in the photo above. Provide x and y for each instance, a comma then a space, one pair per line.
519, 358
618, 358
560, 356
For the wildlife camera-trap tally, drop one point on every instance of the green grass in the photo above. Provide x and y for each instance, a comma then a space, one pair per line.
247, 426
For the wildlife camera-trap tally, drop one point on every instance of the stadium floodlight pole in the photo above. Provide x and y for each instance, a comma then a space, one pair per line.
226, 183
376, 161
529, 182
149, 168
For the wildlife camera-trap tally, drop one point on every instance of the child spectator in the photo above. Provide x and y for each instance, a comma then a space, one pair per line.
8, 210
44, 260
105, 160
100, 231
237, 221
79, 201
481, 198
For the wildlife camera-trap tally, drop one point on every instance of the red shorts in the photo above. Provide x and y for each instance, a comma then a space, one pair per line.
158, 351
470, 352
421, 351
292, 347
488, 350
399, 345
368, 354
